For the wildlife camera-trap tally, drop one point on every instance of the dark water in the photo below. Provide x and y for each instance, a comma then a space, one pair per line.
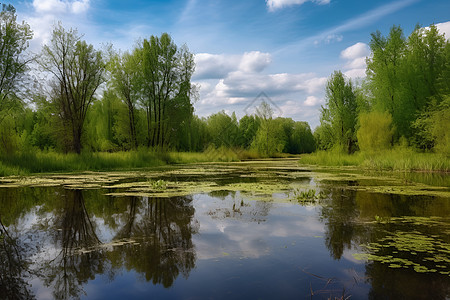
67, 243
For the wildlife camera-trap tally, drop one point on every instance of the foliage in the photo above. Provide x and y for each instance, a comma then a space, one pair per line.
397, 159
14, 39
76, 70
431, 128
340, 111
406, 74
375, 131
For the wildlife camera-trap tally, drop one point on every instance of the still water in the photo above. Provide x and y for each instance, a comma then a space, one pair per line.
132, 236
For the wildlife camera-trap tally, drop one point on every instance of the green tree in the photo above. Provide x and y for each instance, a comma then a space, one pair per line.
270, 137
302, 139
77, 72
166, 72
340, 111
124, 70
248, 126
14, 39
223, 129
375, 131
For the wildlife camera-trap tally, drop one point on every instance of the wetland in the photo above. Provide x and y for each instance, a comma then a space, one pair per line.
260, 229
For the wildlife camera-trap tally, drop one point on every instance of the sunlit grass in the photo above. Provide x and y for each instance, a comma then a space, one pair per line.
398, 159
48, 161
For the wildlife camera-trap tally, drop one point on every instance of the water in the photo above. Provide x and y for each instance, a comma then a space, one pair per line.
64, 242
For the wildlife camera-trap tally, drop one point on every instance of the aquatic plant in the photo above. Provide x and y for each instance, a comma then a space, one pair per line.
308, 196
404, 247
159, 184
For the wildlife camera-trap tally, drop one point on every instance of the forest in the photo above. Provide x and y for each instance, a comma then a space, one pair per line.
73, 99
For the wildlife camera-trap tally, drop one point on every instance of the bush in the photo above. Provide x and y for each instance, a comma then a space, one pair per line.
375, 132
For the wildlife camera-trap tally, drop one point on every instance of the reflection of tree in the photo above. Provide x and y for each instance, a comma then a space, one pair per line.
390, 283
13, 268
70, 268
339, 213
163, 229
350, 217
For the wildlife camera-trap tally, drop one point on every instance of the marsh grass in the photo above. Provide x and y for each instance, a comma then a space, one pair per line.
27, 162
398, 159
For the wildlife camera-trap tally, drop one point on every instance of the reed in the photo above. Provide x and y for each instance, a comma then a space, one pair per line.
397, 159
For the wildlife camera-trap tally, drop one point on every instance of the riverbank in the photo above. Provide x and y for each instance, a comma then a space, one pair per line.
388, 160
50, 162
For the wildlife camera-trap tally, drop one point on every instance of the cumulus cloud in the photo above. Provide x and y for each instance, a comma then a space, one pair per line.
444, 28
45, 14
215, 66
273, 5
312, 101
254, 61
58, 6
355, 56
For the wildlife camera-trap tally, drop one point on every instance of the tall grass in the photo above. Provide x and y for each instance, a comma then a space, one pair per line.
397, 159
39, 162
23, 163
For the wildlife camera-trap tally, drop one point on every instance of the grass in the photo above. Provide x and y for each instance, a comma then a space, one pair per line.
397, 159
49, 162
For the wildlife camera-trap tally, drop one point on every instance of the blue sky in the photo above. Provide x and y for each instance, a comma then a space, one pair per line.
285, 48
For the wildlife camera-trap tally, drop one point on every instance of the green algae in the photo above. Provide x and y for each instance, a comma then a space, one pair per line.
415, 250
263, 179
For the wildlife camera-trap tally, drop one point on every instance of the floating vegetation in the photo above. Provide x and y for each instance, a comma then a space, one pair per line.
308, 196
159, 184
413, 250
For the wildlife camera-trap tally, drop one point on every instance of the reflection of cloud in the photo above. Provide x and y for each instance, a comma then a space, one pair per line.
252, 229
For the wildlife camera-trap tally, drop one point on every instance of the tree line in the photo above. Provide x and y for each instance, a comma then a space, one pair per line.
405, 98
108, 100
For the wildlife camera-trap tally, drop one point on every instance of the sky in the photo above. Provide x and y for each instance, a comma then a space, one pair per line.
284, 50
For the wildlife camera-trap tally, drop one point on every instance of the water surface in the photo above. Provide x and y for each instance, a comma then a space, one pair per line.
249, 232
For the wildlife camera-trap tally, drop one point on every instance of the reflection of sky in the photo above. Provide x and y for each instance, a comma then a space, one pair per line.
251, 230
258, 248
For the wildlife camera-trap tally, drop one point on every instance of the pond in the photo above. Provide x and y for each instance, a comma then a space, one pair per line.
247, 230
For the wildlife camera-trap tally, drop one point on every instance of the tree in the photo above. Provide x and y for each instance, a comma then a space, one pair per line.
166, 72
375, 131
223, 129
340, 111
383, 73
248, 126
14, 39
405, 75
124, 79
302, 139
270, 137
77, 72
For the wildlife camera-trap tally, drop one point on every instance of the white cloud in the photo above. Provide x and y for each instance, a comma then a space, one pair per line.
216, 66
355, 56
312, 101
58, 6
254, 61
79, 7
355, 51
273, 5
52, 6
444, 28
44, 14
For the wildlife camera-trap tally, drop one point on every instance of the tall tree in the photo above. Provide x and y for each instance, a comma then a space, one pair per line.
383, 73
14, 39
166, 72
340, 111
77, 70
124, 79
